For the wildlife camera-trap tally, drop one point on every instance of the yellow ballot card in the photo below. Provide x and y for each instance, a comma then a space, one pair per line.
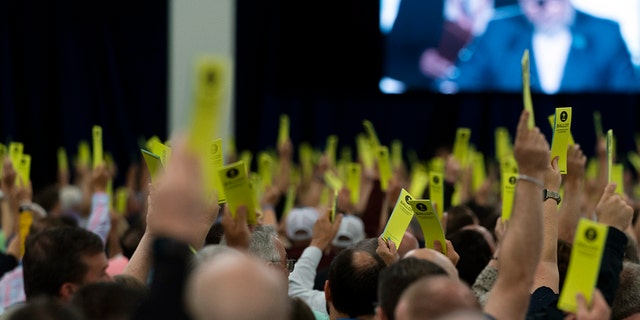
526, 87
552, 122
353, 178
419, 181
479, 171
597, 124
24, 169
122, 195
283, 130
364, 151
151, 142
84, 153
384, 167
63, 161
98, 157
334, 206
246, 156
216, 162
584, 263
617, 176
163, 151
265, 169
503, 145
238, 189
592, 169
560, 141
24, 224
609, 154
346, 155
429, 223
461, 145
15, 153
371, 133
509, 181
331, 149
634, 159
399, 220
289, 201
396, 153
436, 191
332, 180
153, 162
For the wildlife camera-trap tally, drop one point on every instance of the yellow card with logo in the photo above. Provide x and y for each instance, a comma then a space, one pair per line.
526, 87
153, 162
384, 167
609, 154
479, 171
353, 178
552, 121
617, 176
216, 162
461, 145
24, 169
429, 223
436, 191
503, 143
561, 133
283, 130
238, 190
584, 263
509, 182
399, 220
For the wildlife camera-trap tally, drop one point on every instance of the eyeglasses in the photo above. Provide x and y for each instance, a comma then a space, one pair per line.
290, 263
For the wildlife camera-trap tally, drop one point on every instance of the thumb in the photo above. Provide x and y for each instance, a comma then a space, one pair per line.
610, 188
554, 162
581, 303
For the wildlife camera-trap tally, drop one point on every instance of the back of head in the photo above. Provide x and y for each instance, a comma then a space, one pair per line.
353, 278
42, 309
627, 302
262, 244
107, 300
458, 217
232, 286
474, 251
397, 277
445, 296
435, 257
300, 310
55, 256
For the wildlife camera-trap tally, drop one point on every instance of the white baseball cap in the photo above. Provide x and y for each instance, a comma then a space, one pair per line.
300, 223
351, 231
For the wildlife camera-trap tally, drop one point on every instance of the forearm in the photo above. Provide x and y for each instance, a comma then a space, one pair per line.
8, 218
99, 220
140, 263
547, 274
570, 212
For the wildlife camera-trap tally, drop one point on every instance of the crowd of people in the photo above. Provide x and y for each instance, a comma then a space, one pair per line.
176, 253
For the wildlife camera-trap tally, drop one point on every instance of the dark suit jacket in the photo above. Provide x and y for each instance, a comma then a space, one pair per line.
598, 58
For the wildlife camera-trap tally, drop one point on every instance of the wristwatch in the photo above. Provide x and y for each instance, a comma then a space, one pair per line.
548, 194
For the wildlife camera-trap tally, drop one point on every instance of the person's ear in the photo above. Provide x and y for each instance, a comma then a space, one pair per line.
67, 290
327, 291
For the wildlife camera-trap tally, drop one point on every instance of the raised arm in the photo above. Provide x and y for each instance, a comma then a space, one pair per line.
570, 209
547, 273
522, 245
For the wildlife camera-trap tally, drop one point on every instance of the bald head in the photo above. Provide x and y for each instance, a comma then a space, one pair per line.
437, 258
221, 288
445, 296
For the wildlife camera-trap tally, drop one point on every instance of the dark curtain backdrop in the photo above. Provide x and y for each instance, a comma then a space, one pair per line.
67, 65
320, 61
